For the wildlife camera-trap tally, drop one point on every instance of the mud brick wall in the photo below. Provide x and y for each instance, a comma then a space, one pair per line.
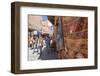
75, 31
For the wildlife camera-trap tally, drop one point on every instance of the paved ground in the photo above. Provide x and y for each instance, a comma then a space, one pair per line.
46, 54
32, 56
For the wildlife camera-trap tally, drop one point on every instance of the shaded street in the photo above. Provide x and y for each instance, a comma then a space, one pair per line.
45, 54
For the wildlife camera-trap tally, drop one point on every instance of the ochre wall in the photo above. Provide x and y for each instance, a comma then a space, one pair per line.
75, 33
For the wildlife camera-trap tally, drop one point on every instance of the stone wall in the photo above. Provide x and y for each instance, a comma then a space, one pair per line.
75, 31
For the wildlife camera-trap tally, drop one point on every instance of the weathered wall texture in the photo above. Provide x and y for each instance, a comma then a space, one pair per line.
75, 31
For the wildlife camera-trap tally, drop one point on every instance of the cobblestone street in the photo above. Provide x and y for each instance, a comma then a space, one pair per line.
45, 54
32, 56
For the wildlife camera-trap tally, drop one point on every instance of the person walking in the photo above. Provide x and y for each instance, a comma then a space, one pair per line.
35, 45
44, 44
47, 43
40, 44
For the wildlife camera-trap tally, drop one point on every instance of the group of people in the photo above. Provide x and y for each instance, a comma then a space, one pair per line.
39, 43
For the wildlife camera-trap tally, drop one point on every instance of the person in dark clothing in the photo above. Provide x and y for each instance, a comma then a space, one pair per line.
47, 39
